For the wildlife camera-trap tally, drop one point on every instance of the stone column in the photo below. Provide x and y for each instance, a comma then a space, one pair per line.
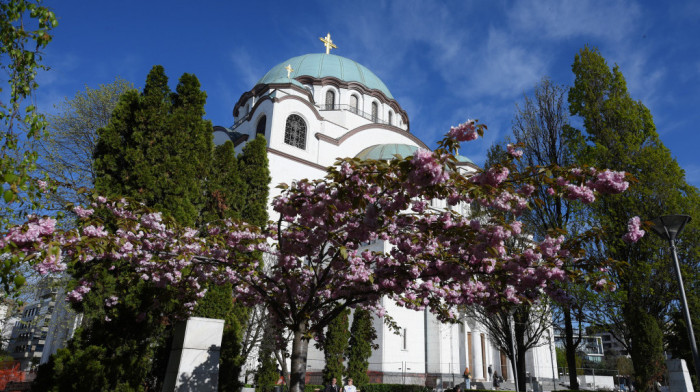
678, 376
194, 359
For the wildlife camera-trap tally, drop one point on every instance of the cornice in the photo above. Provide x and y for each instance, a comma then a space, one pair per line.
361, 128
296, 159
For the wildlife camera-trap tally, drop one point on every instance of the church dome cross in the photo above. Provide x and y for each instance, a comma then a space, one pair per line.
328, 43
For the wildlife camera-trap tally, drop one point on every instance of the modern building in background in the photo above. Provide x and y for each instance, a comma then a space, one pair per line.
44, 325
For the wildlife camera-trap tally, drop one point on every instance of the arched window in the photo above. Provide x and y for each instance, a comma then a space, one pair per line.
354, 105
375, 112
262, 123
295, 132
330, 100
247, 109
391, 118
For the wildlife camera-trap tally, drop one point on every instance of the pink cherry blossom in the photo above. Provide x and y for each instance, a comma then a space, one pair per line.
514, 152
464, 132
634, 233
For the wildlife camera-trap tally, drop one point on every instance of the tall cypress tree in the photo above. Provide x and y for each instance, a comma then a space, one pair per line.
156, 150
362, 337
255, 173
226, 191
243, 195
334, 346
620, 134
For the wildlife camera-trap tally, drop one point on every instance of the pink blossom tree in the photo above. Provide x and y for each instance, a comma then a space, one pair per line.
317, 261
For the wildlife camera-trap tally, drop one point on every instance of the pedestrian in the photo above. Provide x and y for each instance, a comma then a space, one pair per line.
467, 378
490, 370
496, 383
349, 387
333, 387
458, 388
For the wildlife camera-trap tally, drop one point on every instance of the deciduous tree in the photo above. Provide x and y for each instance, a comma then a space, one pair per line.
68, 148
619, 133
25, 30
437, 259
540, 129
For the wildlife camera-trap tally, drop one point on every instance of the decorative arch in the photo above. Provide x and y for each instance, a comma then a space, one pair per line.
261, 126
375, 111
390, 117
330, 99
354, 103
295, 131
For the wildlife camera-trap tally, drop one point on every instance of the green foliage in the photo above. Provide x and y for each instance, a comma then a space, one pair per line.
157, 148
226, 191
25, 28
255, 173
362, 337
232, 359
237, 188
334, 345
312, 388
647, 351
620, 134
82, 371
267, 374
561, 358
217, 302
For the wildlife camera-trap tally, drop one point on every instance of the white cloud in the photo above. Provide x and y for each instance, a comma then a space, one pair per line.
504, 68
610, 20
249, 71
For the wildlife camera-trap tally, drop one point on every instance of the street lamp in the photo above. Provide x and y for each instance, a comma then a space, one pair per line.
669, 227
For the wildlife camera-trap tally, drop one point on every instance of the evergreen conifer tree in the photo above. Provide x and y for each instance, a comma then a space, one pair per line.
362, 336
156, 150
226, 191
255, 172
334, 346
267, 375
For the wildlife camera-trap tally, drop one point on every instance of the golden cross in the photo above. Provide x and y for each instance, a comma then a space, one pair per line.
328, 43
289, 70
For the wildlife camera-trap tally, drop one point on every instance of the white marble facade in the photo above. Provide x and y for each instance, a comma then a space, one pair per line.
346, 109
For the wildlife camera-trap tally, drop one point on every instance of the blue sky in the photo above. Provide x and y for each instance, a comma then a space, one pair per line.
443, 61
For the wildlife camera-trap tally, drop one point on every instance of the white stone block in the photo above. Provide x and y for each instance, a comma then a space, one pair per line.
194, 359
678, 376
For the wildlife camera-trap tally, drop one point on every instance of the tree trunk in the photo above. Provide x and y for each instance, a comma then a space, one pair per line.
569, 348
522, 371
300, 348
520, 319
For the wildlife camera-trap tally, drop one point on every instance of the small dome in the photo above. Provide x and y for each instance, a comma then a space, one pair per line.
320, 65
387, 151
463, 159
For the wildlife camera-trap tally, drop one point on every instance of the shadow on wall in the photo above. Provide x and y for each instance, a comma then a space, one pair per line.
203, 377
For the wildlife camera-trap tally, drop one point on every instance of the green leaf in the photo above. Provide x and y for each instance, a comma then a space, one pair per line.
19, 280
8, 196
10, 178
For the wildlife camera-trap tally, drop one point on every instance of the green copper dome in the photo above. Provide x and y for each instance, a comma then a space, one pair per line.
387, 151
319, 65
463, 159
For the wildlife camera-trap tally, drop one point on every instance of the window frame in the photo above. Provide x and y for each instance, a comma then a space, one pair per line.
295, 140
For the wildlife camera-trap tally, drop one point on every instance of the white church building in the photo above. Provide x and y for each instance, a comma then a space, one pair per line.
315, 108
